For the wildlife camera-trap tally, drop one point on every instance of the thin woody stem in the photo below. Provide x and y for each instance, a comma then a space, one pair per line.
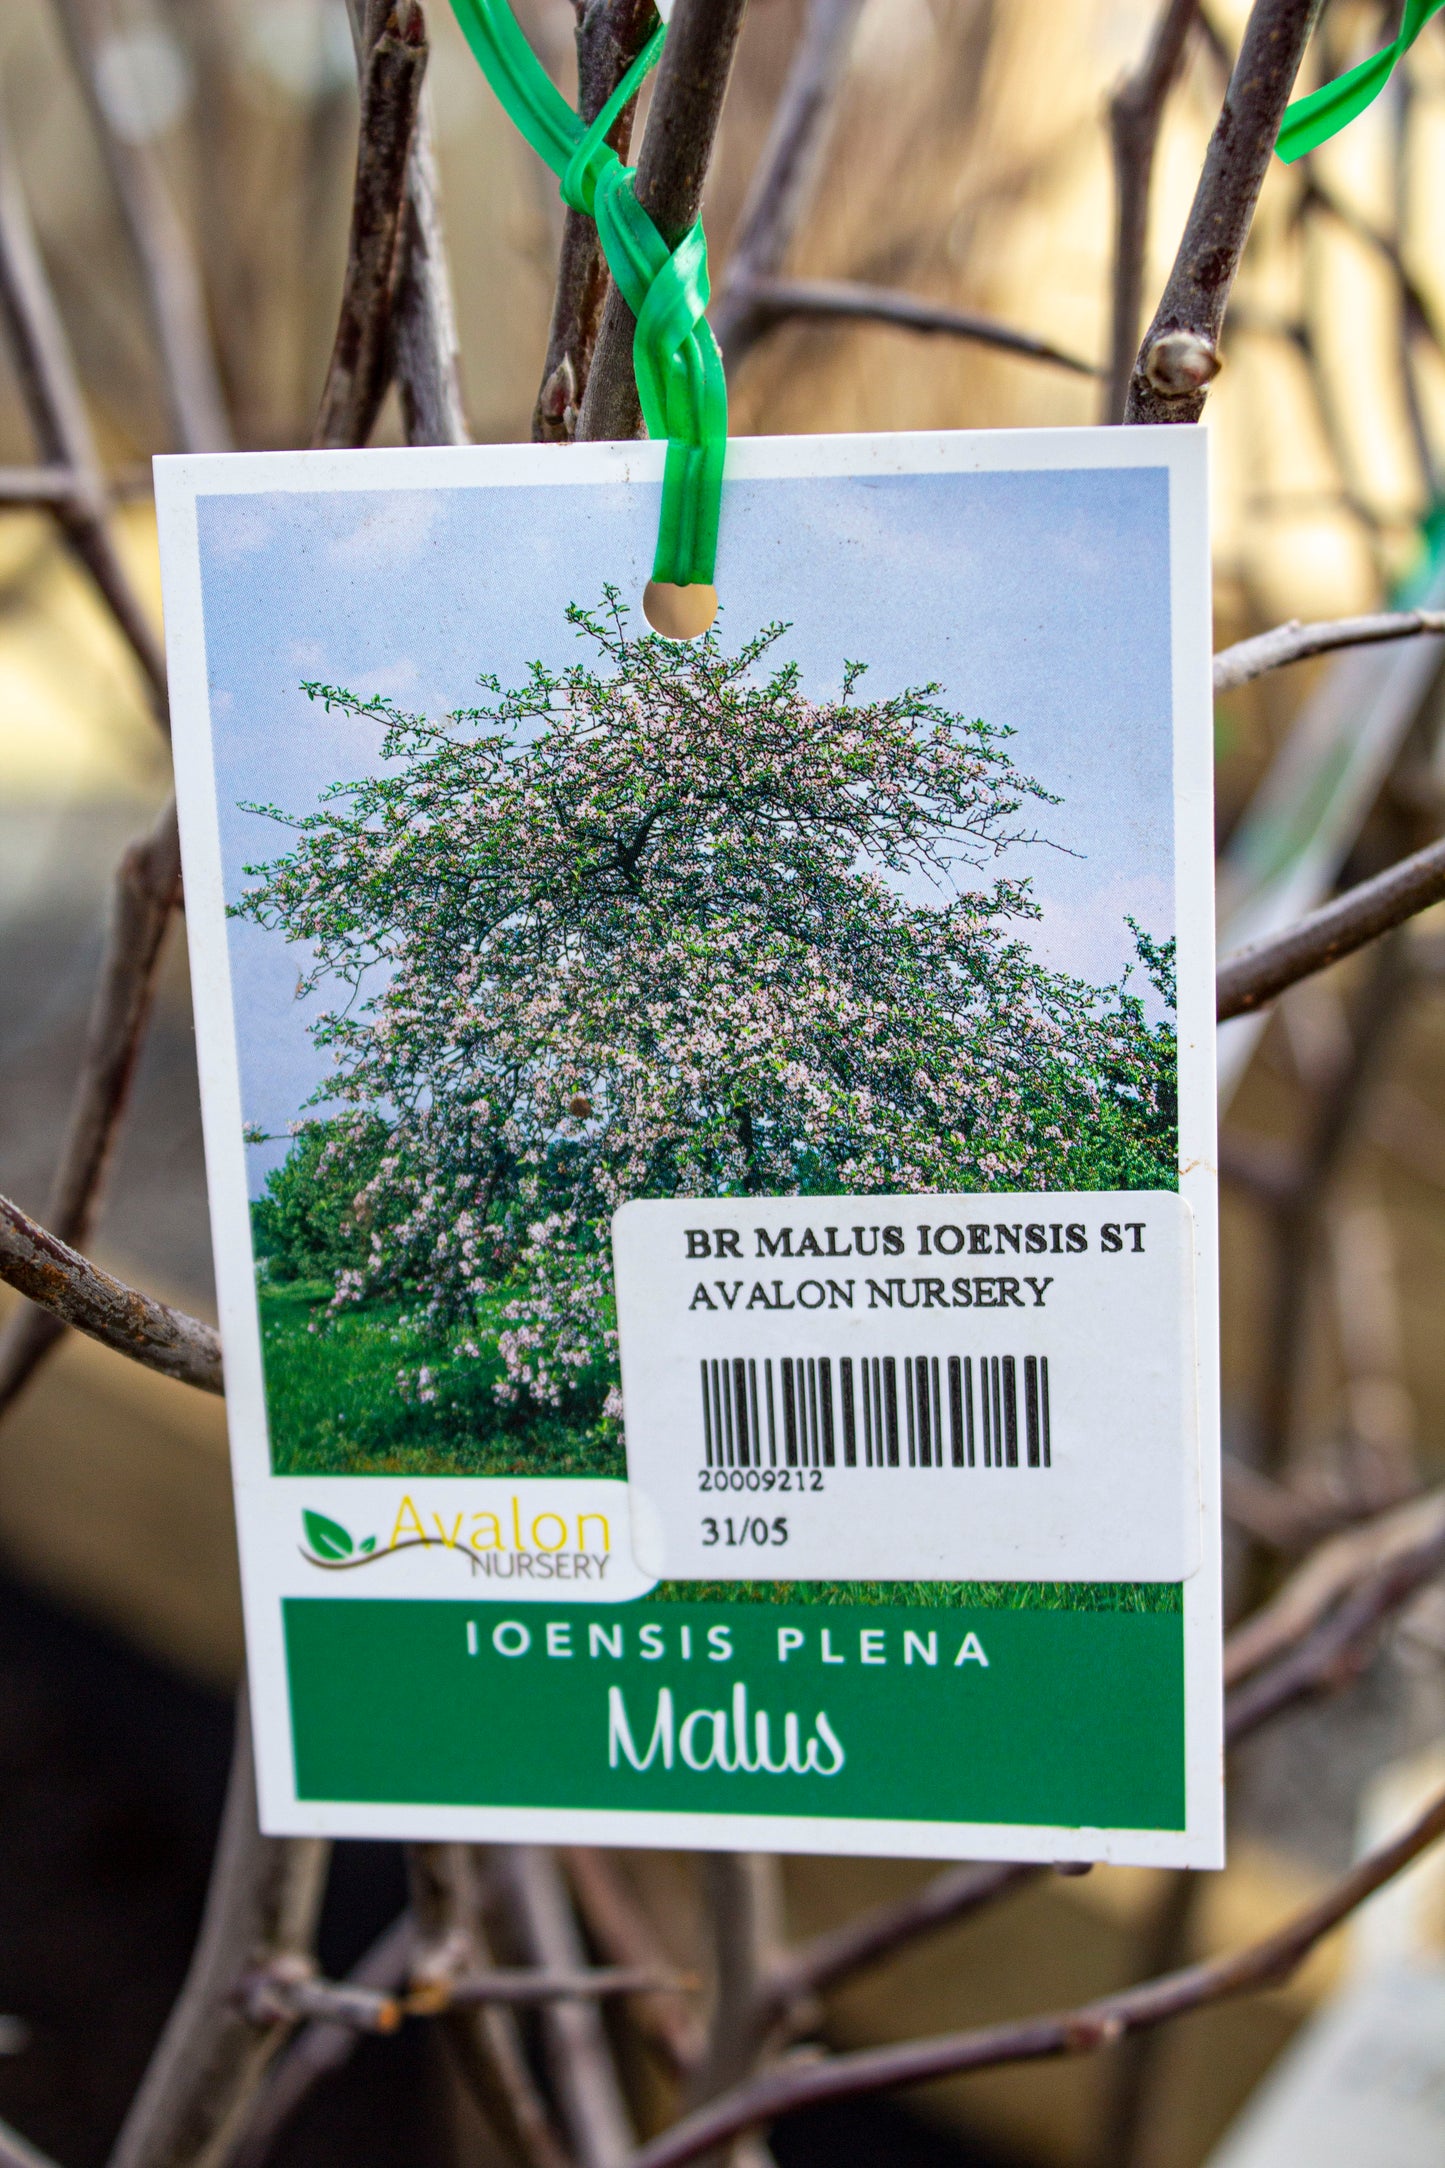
1253, 976
79, 1293
775, 300
1093, 2025
170, 277
261, 1911
1180, 351
356, 380
610, 35
147, 888
50, 394
1135, 113
1294, 642
787, 174
692, 80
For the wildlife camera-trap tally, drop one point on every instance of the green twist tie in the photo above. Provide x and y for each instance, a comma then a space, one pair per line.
1313, 120
675, 358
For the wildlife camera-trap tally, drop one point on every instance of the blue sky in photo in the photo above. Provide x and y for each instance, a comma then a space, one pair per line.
1039, 600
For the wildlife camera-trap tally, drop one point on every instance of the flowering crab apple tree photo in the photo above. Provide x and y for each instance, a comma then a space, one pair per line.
661, 923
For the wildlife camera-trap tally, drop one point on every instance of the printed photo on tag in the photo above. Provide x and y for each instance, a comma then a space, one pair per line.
711, 1139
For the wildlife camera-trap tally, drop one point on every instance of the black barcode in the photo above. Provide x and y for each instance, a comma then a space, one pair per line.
877, 1411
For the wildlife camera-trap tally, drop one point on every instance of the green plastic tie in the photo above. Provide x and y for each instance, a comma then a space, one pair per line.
1313, 120
675, 358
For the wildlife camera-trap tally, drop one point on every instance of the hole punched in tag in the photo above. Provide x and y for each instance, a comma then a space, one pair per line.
679, 613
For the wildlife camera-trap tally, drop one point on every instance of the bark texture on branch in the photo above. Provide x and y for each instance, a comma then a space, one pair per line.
79, 1293
1294, 642
1180, 353
1254, 975
261, 1912
147, 889
1266, 1963
610, 35
395, 62
170, 276
692, 81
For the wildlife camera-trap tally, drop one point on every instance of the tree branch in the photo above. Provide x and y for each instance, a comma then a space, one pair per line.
771, 301
50, 393
18, 2152
618, 1927
692, 80
319, 2048
356, 380
50, 1273
880, 1933
1266, 1963
587, 2091
426, 353
1254, 975
1180, 353
1336, 1570
1294, 642
261, 1910
147, 889
1135, 113
610, 35
786, 177
175, 295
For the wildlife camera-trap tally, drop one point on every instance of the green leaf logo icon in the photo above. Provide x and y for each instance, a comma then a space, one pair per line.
328, 1539
370, 1544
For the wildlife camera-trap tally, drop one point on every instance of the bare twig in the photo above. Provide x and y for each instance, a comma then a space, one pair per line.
1131, 2071
692, 80
43, 487
583, 2076
48, 388
1294, 642
1180, 351
1093, 2025
147, 886
786, 176
619, 1928
1135, 112
1255, 974
426, 359
396, 55
519, 1987
172, 282
319, 2048
1334, 1572
485, 2043
771, 301
261, 1909
840, 1952
18, 2152
610, 34
79, 1293
426, 353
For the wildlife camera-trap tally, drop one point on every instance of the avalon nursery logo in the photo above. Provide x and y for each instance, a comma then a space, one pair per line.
507, 1541
331, 1544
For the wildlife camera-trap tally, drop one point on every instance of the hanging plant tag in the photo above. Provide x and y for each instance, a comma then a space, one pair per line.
711, 1139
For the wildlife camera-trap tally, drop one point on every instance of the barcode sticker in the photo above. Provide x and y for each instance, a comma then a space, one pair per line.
911, 1388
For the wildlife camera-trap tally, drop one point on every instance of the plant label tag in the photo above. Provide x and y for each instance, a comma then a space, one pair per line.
911, 1388
710, 1140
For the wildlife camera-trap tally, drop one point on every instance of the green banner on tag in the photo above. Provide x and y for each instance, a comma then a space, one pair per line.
1058, 1718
